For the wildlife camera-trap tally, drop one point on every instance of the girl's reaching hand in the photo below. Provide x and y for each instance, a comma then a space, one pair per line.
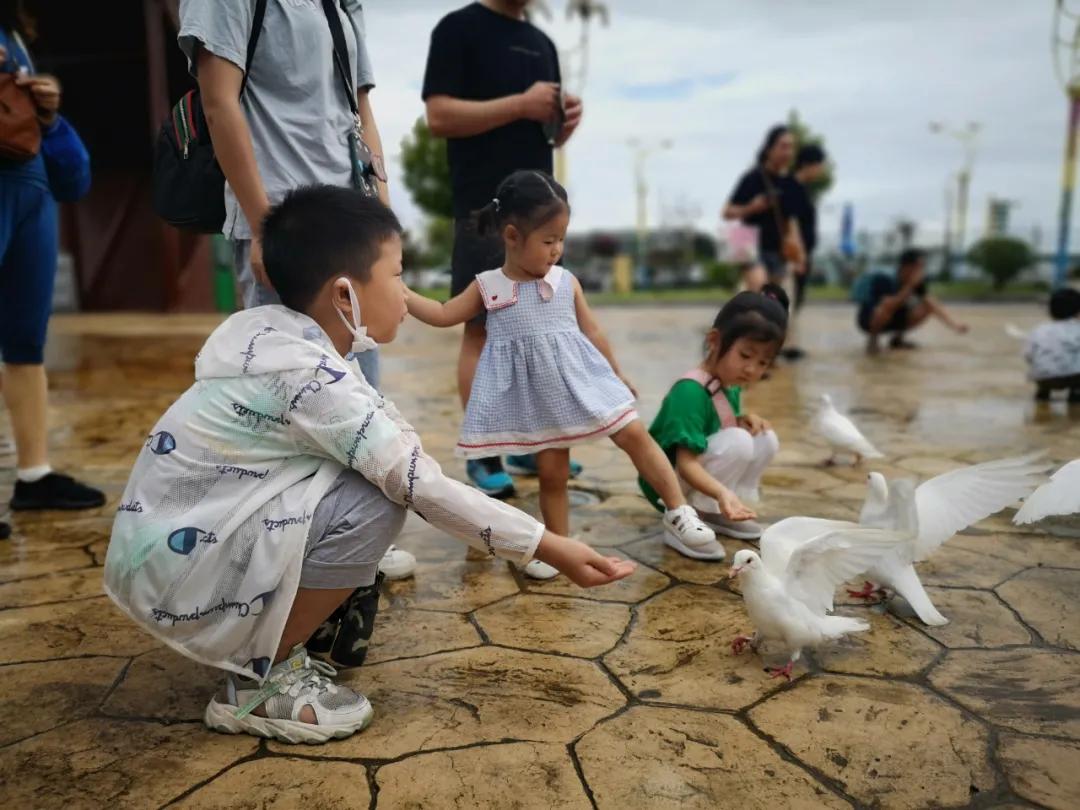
754, 423
581, 564
731, 507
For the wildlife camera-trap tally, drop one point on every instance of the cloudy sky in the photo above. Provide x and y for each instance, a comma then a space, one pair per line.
713, 75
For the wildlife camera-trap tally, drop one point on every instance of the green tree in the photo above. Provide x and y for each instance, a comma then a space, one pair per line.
803, 136
1001, 257
426, 174
426, 171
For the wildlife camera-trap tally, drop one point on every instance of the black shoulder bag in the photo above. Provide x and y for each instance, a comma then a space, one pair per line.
367, 167
188, 184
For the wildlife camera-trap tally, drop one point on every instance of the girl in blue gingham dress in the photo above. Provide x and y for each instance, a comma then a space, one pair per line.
547, 378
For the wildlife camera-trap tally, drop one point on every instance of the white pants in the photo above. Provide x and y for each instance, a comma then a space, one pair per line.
737, 460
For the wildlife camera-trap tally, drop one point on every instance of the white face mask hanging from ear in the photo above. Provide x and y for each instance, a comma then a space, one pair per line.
361, 341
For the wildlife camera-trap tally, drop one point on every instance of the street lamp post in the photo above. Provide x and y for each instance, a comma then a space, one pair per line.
967, 137
641, 152
1067, 66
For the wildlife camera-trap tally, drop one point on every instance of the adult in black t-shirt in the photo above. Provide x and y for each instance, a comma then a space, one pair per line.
491, 88
809, 167
766, 197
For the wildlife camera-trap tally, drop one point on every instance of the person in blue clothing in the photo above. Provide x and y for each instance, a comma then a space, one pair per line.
900, 304
29, 190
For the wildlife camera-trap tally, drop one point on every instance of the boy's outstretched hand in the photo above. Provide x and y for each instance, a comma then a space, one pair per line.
581, 564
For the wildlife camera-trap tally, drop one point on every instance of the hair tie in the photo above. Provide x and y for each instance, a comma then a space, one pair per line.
495, 202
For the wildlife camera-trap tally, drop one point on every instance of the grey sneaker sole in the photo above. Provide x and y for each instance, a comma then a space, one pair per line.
222, 717
731, 528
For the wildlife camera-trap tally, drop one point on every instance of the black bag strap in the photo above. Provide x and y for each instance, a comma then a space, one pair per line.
774, 203
253, 40
341, 51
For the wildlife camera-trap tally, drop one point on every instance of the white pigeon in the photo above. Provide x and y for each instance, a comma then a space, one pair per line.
788, 590
1014, 331
841, 434
943, 506
1058, 496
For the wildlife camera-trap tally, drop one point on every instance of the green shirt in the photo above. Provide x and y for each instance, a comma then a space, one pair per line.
687, 418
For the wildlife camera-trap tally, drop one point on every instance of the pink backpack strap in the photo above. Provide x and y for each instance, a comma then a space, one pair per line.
497, 290
716, 391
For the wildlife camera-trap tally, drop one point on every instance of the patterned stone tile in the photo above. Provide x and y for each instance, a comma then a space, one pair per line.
955, 566
80, 584
615, 521
458, 585
1031, 547
797, 479
554, 624
641, 584
86, 627
21, 561
1042, 771
653, 552
516, 776
976, 619
889, 744
486, 694
164, 685
889, 647
68, 691
97, 763
1048, 599
679, 651
1024, 689
284, 783
672, 758
401, 633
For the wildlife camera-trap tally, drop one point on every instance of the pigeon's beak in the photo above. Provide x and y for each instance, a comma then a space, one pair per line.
734, 572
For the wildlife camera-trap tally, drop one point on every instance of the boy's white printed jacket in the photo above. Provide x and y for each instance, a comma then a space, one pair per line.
209, 538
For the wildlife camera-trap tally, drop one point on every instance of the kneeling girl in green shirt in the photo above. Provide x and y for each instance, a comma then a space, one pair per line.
718, 451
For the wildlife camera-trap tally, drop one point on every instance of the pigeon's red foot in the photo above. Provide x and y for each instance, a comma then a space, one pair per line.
869, 592
781, 672
738, 644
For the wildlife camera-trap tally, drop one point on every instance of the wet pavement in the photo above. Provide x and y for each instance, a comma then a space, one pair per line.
494, 691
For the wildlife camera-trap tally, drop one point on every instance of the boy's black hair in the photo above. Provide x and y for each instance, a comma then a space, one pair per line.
525, 199
911, 256
760, 316
809, 155
319, 232
1065, 304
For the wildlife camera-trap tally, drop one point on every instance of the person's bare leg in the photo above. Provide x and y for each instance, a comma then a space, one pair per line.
553, 468
25, 391
651, 462
472, 345
917, 316
310, 609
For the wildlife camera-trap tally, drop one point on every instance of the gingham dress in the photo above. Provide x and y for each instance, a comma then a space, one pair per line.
540, 382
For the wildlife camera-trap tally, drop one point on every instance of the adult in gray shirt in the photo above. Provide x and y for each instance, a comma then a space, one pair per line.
291, 127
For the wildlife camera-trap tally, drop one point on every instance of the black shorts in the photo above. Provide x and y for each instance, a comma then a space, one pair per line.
473, 254
898, 322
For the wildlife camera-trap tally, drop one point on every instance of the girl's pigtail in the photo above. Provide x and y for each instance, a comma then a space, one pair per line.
777, 294
486, 219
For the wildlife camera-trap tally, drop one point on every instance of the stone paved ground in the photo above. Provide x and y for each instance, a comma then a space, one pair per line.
495, 692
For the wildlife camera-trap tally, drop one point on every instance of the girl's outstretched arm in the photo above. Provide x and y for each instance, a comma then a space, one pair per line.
590, 327
694, 473
458, 309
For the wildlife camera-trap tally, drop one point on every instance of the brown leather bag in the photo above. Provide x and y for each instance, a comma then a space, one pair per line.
20, 132
790, 247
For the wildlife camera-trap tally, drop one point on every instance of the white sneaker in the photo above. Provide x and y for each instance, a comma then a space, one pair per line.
397, 563
297, 682
688, 535
539, 570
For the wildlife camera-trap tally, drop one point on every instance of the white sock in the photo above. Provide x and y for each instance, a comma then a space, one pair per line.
32, 474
